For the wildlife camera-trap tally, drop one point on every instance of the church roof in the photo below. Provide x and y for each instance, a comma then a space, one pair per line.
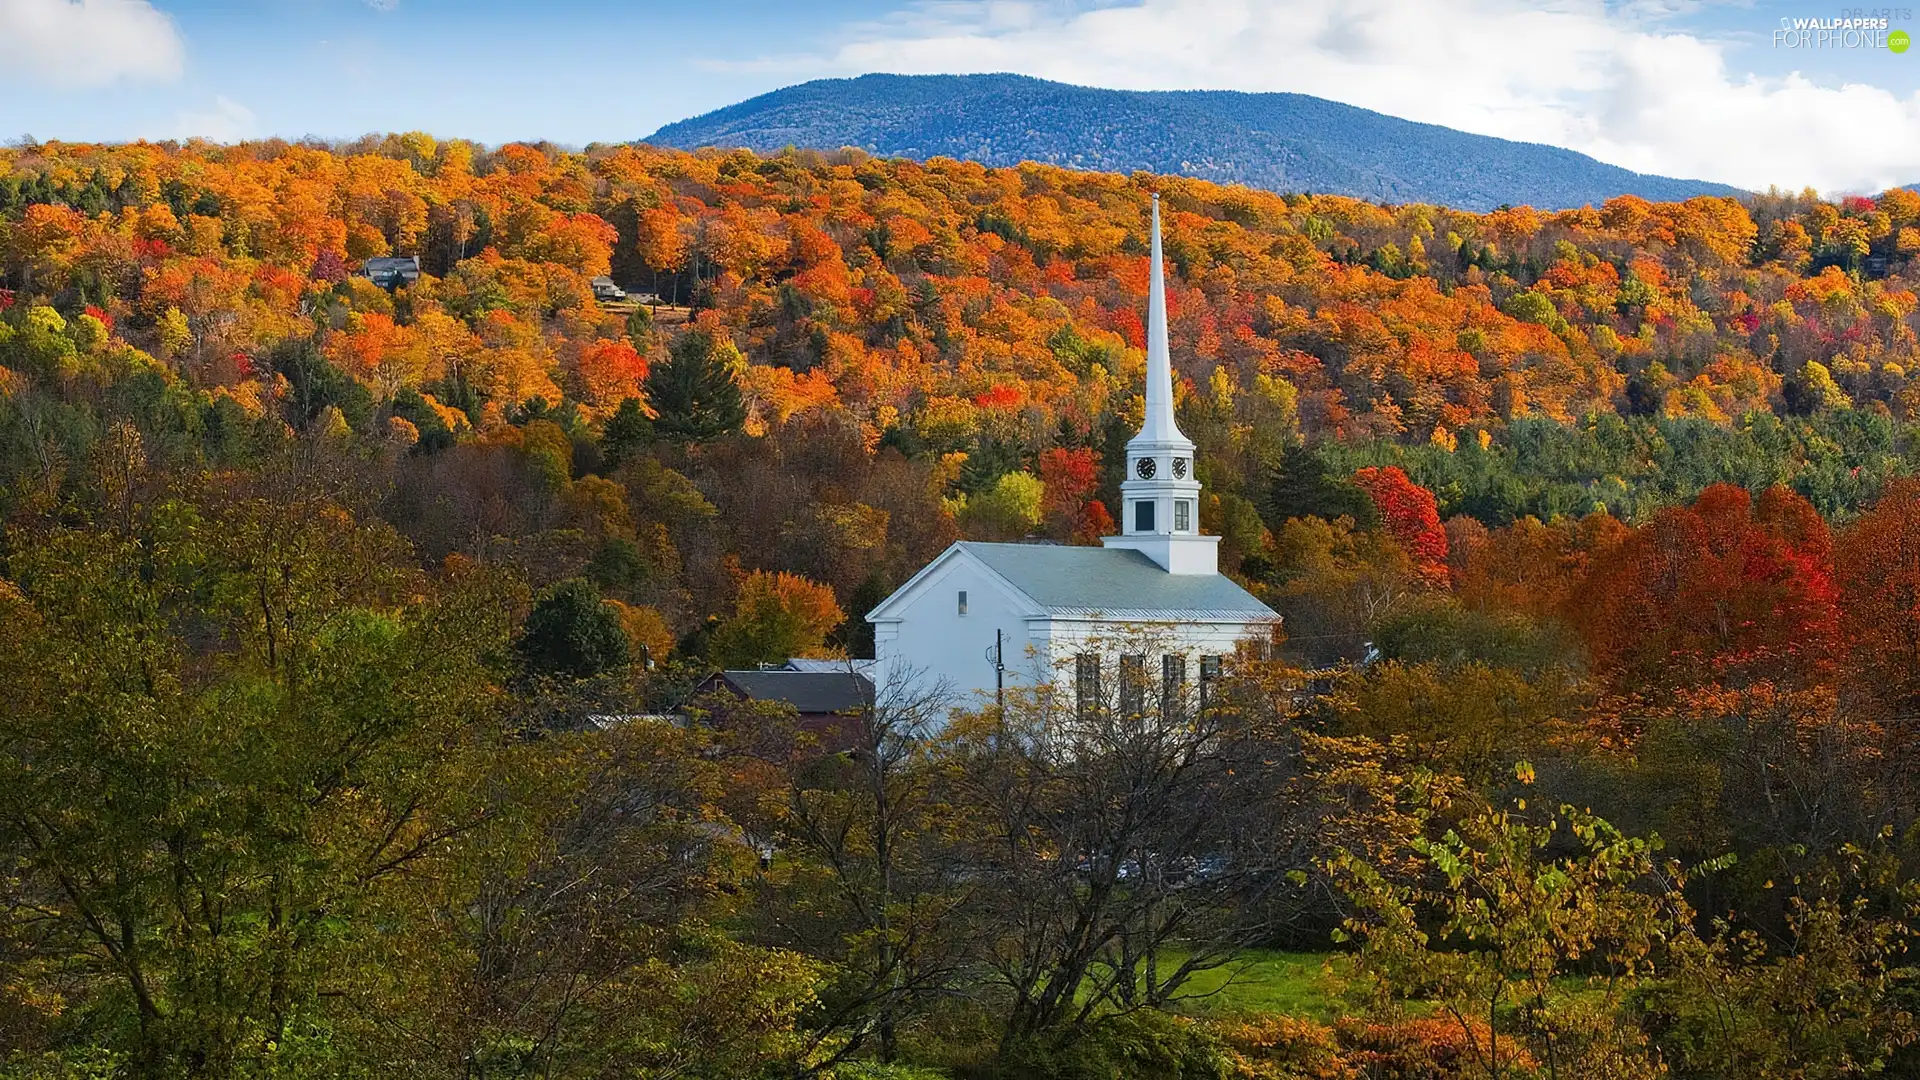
1115, 583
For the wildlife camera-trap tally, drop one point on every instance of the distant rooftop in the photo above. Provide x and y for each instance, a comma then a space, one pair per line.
807, 691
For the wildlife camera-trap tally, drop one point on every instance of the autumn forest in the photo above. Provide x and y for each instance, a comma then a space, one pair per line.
350, 632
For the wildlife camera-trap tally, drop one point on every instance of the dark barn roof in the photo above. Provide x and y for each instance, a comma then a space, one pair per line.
812, 692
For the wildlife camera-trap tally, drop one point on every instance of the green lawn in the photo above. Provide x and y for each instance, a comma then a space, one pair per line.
1268, 981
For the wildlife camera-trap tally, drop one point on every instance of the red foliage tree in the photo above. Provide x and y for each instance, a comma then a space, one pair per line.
1068, 507
1877, 567
610, 371
1002, 396
1411, 517
1725, 590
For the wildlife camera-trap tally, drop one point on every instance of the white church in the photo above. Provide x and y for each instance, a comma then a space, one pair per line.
983, 617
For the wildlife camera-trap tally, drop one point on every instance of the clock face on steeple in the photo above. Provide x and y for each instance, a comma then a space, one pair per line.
1179, 468
1144, 468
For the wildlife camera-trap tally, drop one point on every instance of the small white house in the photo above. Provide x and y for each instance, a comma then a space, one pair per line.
985, 616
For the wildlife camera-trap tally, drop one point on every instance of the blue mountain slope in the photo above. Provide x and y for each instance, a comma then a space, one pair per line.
1282, 142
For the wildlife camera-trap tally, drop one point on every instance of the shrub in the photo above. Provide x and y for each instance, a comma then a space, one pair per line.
873, 1070
1139, 1044
1416, 1048
1284, 1048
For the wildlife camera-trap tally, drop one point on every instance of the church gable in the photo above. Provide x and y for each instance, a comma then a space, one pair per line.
951, 571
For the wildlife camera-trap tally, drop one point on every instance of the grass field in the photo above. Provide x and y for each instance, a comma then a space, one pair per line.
1267, 981
663, 314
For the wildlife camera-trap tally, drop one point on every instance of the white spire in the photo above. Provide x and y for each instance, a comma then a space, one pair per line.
1158, 425
1160, 497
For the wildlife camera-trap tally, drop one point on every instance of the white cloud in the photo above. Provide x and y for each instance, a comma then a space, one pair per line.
80, 43
228, 122
1615, 81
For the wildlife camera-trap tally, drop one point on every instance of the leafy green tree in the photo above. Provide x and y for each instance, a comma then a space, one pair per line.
241, 733
869, 864
1468, 718
1334, 583
696, 393
571, 632
619, 567
1527, 933
602, 955
1008, 510
1438, 629
1834, 1004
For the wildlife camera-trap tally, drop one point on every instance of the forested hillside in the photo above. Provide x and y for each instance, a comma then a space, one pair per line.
1280, 142
337, 623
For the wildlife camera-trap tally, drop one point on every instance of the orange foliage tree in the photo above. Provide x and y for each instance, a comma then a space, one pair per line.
777, 616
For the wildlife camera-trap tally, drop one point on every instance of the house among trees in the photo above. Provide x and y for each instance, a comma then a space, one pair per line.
604, 288
1148, 605
392, 271
827, 696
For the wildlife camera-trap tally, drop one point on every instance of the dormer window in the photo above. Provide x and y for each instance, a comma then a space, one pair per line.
1144, 468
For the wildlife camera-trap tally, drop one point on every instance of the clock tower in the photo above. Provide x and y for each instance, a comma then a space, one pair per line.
1160, 498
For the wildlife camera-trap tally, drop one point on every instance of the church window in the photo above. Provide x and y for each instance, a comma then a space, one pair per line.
1209, 676
963, 601
1182, 515
1173, 680
1144, 468
1086, 683
1143, 516
1133, 684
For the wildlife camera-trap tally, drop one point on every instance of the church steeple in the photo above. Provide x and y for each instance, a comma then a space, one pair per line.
1158, 425
1160, 499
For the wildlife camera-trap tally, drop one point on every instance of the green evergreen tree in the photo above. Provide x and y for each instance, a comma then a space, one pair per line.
695, 394
1302, 487
640, 328
571, 632
625, 433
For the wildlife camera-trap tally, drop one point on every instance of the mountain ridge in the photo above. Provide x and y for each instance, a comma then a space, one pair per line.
1277, 141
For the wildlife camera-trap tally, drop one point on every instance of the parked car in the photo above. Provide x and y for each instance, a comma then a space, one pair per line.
391, 271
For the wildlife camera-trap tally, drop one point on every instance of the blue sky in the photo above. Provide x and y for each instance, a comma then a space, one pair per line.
481, 69
1683, 87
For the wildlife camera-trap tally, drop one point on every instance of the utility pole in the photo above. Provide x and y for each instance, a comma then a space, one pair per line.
995, 656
